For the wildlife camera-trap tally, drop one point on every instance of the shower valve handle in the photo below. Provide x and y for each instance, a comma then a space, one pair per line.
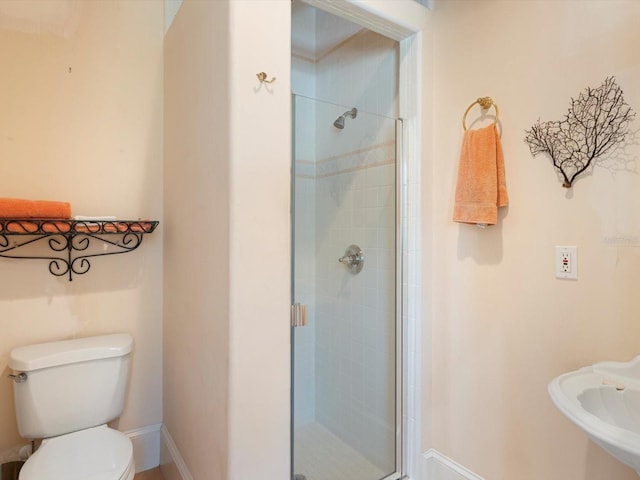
353, 259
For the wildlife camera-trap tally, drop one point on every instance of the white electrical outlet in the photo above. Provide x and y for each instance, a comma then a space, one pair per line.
567, 262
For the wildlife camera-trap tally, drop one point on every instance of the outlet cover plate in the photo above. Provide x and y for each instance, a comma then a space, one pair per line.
566, 262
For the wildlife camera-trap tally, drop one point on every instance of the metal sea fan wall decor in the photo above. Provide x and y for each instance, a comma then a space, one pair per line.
595, 123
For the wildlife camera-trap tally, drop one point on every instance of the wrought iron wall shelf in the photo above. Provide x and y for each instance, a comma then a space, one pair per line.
71, 242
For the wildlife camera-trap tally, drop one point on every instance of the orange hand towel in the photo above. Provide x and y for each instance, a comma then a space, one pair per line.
19, 208
481, 186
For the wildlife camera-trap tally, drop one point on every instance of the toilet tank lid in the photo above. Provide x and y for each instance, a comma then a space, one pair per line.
51, 354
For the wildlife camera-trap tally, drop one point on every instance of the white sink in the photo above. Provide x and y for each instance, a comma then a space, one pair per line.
604, 401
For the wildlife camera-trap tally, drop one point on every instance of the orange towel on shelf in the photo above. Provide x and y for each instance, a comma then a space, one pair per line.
19, 208
481, 186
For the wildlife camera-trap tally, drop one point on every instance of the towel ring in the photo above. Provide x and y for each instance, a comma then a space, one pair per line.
485, 103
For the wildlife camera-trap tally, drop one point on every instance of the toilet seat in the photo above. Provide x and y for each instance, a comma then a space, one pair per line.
98, 453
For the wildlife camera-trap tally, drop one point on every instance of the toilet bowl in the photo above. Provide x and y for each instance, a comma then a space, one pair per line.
98, 453
65, 393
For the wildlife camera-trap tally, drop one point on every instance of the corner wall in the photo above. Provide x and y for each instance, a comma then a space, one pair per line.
503, 326
197, 247
227, 266
260, 237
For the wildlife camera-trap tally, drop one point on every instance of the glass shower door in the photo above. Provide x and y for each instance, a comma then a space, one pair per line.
345, 354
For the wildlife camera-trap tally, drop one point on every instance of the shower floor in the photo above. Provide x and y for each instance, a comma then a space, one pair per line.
320, 455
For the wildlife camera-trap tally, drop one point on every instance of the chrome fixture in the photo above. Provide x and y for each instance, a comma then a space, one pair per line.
353, 259
19, 378
339, 122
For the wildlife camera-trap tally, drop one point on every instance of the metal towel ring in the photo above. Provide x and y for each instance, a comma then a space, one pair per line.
485, 103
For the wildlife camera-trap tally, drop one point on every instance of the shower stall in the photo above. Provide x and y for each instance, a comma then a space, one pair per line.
347, 338
346, 345
346, 295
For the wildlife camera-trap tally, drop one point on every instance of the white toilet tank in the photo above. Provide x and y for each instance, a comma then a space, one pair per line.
70, 385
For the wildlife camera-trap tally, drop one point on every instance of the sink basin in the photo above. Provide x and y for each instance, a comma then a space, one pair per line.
604, 401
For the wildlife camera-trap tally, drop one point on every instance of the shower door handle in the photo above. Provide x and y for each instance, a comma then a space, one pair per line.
298, 315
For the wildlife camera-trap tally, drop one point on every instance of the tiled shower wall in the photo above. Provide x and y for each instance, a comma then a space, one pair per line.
345, 359
355, 329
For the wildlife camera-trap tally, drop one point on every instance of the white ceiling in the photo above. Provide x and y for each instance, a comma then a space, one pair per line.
314, 32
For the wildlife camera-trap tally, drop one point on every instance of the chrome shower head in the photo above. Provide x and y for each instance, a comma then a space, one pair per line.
339, 122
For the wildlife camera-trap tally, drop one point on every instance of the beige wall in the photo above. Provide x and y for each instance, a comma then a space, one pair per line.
81, 121
503, 326
260, 240
227, 143
196, 255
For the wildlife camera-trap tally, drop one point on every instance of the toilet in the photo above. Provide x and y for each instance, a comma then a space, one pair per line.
65, 393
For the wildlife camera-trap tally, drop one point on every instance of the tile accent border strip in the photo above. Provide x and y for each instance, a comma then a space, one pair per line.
371, 156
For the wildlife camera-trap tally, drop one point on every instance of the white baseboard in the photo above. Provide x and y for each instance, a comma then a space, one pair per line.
440, 467
146, 446
171, 462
